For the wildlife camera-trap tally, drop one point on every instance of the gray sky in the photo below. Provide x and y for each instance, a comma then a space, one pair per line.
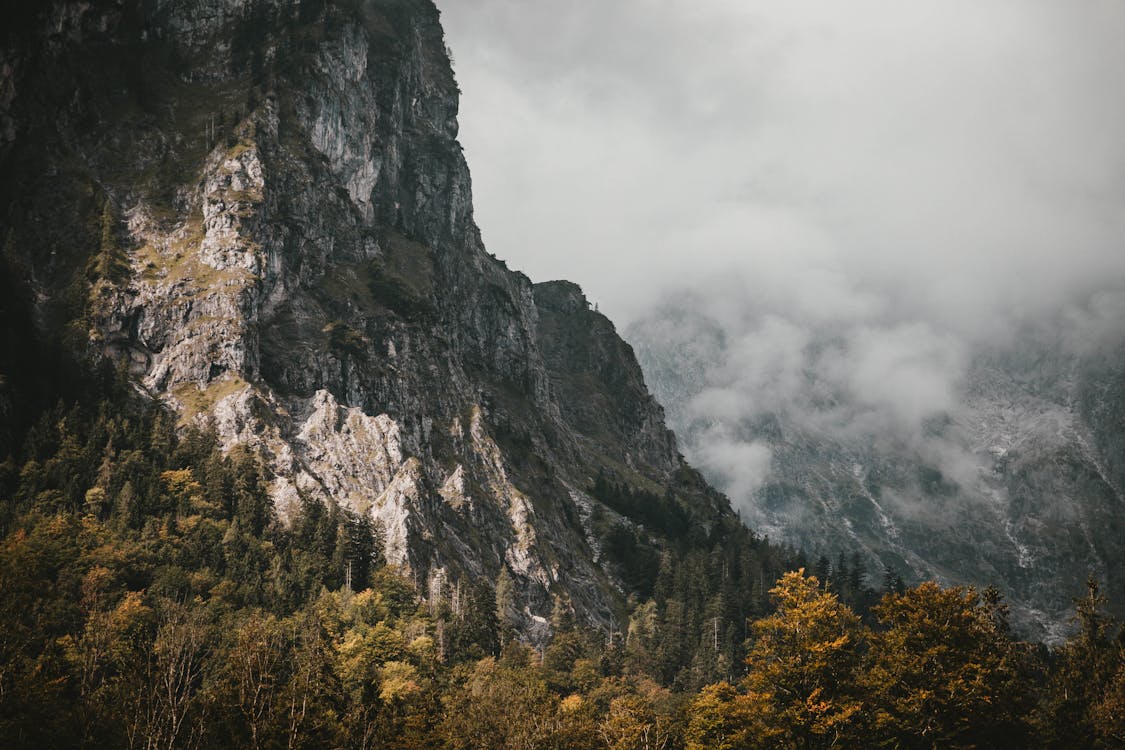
950, 163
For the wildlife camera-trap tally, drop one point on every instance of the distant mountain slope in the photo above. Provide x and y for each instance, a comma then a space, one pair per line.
1018, 485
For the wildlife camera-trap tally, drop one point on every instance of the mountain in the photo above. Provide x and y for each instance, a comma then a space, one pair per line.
288, 459
1018, 484
258, 212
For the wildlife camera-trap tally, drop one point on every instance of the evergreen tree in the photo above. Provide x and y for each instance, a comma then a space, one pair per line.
1085, 685
110, 263
505, 606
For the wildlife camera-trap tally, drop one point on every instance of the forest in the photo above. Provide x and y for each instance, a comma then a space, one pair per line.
152, 598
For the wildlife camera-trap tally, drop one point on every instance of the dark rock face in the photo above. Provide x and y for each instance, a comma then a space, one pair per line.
601, 389
299, 269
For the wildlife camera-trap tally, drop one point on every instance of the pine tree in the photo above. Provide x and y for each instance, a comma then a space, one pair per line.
1083, 687
110, 264
126, 507
505, 606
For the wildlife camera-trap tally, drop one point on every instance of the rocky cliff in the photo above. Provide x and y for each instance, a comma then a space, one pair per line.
259, 210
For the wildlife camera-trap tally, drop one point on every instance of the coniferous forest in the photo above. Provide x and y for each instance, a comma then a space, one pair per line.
153, 599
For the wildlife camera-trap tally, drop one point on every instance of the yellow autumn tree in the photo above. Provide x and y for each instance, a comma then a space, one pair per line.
639, 718
943, 672
498, 708
723, 718
802, 667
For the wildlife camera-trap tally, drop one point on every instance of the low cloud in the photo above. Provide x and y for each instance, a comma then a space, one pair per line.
741, 466
907, 371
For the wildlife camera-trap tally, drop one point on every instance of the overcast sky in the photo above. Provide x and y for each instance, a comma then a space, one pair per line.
954, 161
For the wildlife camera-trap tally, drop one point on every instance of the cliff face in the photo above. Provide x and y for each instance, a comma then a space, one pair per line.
260, 210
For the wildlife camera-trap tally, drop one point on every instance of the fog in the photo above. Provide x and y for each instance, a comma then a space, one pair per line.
852, 198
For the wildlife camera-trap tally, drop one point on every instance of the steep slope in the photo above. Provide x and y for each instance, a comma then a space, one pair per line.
1019, 485
260, 211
